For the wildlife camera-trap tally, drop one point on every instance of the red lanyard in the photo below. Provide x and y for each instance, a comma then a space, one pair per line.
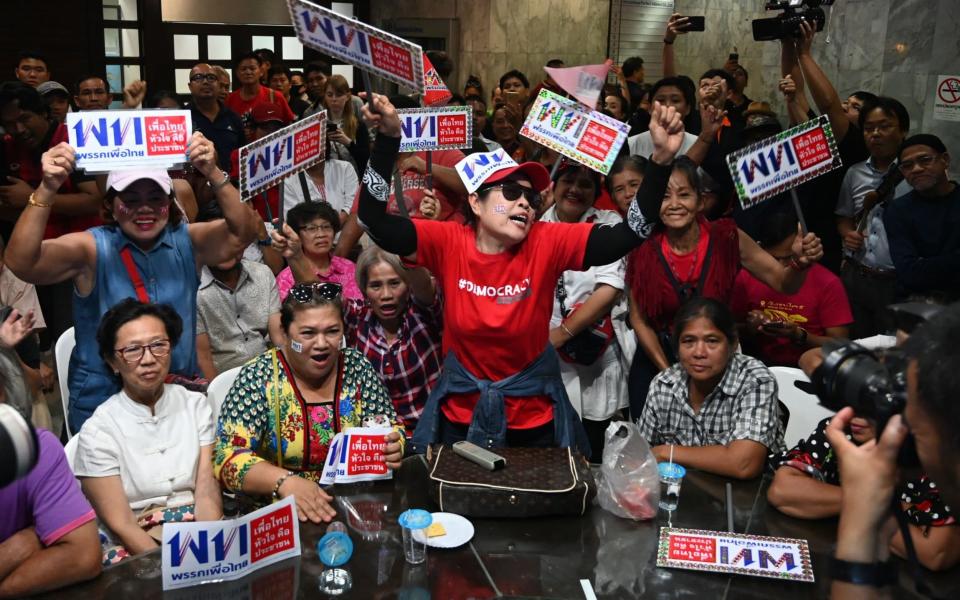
127, 257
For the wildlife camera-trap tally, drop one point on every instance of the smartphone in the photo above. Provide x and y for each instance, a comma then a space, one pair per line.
696, 23
331, 127
775, 325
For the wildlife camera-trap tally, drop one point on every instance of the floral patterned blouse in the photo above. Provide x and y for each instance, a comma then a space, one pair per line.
919, 498
249, 417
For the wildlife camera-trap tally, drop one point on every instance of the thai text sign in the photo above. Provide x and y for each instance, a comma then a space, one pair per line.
208, 551
357, 454
435, 128
784, 161
267, 161
588, 137
357, 43
761, 556
107, 140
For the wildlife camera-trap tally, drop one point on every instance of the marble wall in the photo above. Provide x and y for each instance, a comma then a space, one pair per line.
499, 35
893, 47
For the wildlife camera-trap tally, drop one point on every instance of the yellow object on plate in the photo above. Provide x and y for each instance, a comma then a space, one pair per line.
436, 530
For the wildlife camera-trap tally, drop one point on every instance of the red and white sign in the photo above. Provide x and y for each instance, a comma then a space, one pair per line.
435, 93
946, 100
107, 140
210, 551
357, 43
587, 136
783, 161
761, 556
442, 128
357, 454
269, 160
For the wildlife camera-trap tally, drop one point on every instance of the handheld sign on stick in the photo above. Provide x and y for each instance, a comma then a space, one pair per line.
782, 162
110, 140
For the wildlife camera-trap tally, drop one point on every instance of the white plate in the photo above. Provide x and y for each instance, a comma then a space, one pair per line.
459, 531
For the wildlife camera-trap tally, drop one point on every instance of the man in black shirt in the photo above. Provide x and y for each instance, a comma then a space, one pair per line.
215, 121
923, 226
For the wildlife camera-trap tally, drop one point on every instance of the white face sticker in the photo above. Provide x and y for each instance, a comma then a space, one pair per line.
296, 346
500, 208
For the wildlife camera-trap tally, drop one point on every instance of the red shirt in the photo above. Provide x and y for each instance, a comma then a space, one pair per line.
687, 267
240, 106
497, 307
820, 303
414, 184
25, 164
605, 202
266, 203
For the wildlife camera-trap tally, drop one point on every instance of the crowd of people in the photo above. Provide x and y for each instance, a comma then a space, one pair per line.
532, 308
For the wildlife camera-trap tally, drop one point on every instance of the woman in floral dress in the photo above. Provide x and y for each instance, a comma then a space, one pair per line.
303, 393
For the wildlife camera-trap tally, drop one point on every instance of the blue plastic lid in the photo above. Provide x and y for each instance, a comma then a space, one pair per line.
671, 470
415, 518
335, 548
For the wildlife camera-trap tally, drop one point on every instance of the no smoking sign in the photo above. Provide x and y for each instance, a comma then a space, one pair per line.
946, 101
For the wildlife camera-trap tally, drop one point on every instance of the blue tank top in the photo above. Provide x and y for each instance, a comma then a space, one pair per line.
169, 273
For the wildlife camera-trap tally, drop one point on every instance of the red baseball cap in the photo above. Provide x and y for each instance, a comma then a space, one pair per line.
267, 112
537, 174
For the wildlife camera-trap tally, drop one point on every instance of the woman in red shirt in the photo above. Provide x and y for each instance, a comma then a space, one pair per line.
501, 380
689, 256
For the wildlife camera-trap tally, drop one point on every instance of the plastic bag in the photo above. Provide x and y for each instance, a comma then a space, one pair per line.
629, 485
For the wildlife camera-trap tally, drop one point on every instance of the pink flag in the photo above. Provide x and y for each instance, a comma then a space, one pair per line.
434, 92
583, 83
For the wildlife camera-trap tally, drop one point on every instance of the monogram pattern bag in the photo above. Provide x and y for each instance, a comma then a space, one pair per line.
535, 482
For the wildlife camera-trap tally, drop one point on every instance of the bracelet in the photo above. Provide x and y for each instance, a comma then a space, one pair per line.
32, 201
276, 488
666, 42
875, 574
216, 186
563, 326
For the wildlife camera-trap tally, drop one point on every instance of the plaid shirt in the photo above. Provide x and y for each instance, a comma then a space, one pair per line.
742, 407
410, 366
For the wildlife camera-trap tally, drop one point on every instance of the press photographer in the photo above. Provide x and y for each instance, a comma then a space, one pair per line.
919, 392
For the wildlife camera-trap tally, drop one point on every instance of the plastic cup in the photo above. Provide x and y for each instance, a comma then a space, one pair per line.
671, 476
413, 524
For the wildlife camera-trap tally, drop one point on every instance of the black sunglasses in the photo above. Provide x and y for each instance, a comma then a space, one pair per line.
513, 191
306, 292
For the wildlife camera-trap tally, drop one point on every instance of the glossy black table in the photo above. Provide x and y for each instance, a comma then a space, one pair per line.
534, 558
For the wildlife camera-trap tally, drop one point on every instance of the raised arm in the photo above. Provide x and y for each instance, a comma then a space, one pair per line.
792, 79
786, 279
41, 262
675, 26
390, 232
824, 94
217, 241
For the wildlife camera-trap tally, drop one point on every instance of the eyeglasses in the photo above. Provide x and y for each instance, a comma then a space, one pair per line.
307, 292
513, 191
923, 162
134, 354
211, 77
315, 229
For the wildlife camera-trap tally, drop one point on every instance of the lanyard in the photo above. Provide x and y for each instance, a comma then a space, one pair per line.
127, 257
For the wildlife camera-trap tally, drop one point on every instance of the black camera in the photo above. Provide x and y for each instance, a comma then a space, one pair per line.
787, 23
875, 386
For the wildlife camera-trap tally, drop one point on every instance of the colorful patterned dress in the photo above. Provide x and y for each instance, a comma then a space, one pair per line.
265, 400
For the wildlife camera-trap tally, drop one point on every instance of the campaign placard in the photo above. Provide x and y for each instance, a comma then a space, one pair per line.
357, 43
267, 161
356, 455
435, 128
588, 137
107, 140
739, 554
435, 93
783, 161
209, 551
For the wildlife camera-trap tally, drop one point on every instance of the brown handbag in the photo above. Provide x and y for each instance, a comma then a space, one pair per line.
535, 482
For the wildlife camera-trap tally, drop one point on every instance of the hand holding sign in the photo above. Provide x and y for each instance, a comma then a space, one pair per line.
393, 452
313, 503
57, 163
287, 242
429, 205
384, 115
666, 132
807, 248
202, 155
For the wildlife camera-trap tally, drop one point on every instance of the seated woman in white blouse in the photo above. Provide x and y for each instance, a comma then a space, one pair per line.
145, 457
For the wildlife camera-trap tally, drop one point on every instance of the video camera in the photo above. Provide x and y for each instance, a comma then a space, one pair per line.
787, 23
876, 387
18, 445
